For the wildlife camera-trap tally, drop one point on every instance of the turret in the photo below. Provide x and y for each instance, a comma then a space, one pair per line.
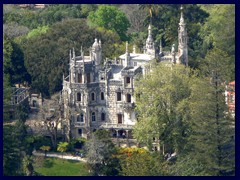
127, 56
182, 41
150, 49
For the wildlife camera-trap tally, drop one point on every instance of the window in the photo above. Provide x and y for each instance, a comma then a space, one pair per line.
103, 116
135, 63
128, 98
88, 78
79, 77
119, 118
93, 116
78, 96
81, 117
128, 80
119, 96
80, 132
93, 96
102, 96
34, 102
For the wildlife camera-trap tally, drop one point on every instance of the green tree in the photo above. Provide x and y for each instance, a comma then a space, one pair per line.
11, 152
28, 166
47, 56
219, 32
217, 143
14, 62
111, 18
45, 149
161, 96
100, 150
142, 163
62, 147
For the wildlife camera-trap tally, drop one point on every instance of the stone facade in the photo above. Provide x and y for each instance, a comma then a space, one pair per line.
102, 97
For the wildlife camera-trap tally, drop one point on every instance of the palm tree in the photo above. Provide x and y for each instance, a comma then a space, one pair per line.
62, 147
45, 149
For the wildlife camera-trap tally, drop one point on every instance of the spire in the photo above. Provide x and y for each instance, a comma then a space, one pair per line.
181, 18
150, 49
182, 41
74, 57
81, 52
134, 49
149, 39
127, 48
73, 53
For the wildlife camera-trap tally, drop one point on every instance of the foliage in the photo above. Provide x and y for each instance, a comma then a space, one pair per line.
161, 108
142, 164
45, 149
38, 31
13, 63
47, 55
110, 18
61, 167
28, 166
77, 143
47, 16
100, 150
219, 32
62, 147
11, 152
40, 141
13, 30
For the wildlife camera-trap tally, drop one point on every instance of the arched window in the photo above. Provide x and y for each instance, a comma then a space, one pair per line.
78, 96
103, 116
93, 96
93, 116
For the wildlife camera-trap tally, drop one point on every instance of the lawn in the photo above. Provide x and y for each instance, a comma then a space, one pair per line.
59, 167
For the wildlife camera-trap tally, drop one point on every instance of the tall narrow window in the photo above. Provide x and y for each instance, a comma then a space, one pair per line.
119, 96
88, 78
93, 96
128, 80
102, 96
81, 117
79, 77
78, 96
80, 132
128, 96
93, 116
119, 118
78, 118
103, 116
34, 102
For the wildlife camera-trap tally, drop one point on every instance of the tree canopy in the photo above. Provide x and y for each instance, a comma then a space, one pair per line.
111, 18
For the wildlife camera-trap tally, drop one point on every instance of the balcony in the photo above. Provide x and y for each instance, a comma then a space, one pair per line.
116, 126
128, 106
80, 124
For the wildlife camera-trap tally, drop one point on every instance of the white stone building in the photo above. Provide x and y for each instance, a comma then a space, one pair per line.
96, 96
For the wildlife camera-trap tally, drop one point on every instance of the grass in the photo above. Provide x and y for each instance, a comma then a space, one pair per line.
60, 167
